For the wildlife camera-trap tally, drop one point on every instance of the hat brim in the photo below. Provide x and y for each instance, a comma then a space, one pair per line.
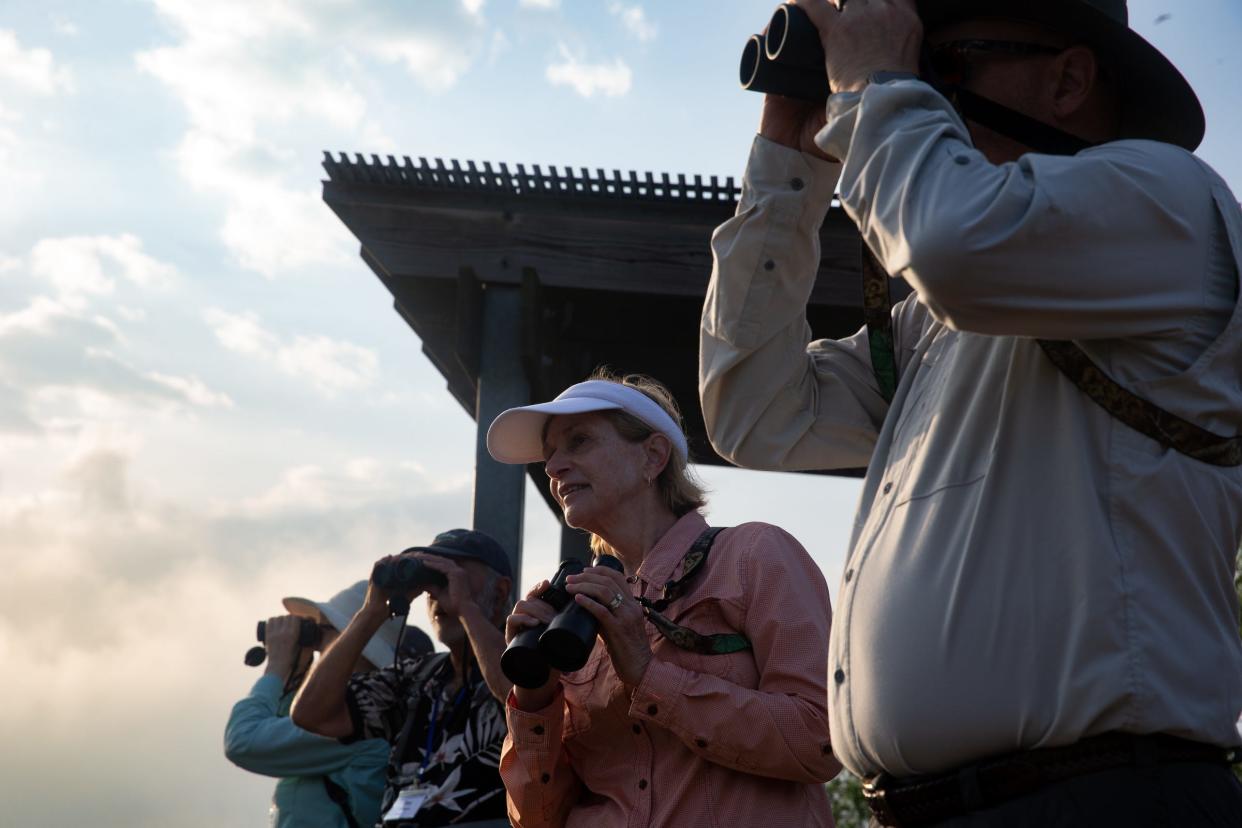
516, 436
1158, 103
456, 554
377, 651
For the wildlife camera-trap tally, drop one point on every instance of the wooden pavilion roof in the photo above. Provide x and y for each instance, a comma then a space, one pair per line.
612, 267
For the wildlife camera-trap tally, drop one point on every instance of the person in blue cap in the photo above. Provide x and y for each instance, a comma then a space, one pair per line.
441, 713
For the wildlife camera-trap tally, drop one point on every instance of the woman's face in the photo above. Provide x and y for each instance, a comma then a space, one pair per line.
593, 472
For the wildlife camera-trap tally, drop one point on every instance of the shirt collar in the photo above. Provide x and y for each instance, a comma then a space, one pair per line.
664, 559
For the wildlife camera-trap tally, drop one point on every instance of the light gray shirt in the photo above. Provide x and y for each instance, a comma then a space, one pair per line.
1024, 570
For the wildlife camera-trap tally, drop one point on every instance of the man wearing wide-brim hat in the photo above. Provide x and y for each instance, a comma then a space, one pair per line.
1036, 624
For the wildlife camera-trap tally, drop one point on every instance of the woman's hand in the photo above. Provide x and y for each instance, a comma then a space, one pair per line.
280, 636
605, 594
527, 613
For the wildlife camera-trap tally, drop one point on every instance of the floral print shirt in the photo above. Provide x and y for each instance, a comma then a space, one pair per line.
458, 753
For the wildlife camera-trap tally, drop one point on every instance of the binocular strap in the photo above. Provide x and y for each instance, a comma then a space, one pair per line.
1144, 416
684, 637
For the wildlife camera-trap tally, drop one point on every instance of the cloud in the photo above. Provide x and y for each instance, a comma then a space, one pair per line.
540, 4
78, 266
586, 78
127, 621
31, 70
330, 365
63, 25
266, 86
635, 20
63, 364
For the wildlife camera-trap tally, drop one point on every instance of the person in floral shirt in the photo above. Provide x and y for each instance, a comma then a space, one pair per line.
440, 712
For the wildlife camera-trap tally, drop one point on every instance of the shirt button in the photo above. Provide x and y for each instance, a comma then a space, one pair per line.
962, 160
638, 729
839, 676
796, 184
545, 778
769, 265
849, 575
888, 487
538, 730
701, 742
642, 784
652, 710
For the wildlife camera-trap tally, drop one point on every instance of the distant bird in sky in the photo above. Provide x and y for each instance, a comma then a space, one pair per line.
1162, 18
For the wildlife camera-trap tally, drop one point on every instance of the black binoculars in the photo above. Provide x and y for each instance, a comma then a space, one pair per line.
787, 60
309, 635
565, 644
405, 574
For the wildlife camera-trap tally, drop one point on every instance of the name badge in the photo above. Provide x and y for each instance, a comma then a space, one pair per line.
408, 802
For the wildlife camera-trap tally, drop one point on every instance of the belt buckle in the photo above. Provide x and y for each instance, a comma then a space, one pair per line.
876, 795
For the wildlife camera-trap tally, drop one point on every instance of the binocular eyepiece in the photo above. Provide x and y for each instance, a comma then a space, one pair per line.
309, 635
565, 644
787, 60
405, 574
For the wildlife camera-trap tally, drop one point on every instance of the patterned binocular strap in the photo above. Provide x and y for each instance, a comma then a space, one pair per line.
1143, 416
878, 316
683, 637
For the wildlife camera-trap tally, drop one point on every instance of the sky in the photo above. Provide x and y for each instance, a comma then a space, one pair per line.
206, 400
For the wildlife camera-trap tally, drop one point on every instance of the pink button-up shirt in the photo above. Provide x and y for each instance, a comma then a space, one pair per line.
704, 740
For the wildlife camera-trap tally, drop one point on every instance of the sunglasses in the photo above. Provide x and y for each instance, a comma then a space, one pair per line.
950, 62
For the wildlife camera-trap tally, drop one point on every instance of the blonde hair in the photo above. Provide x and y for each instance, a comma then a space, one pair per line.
677, 486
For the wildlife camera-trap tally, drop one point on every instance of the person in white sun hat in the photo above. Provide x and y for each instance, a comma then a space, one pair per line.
323, 783
703, 700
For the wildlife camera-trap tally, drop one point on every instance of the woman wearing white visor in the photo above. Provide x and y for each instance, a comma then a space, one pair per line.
703, 701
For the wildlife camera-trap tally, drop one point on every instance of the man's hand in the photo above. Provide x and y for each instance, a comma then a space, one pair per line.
455, 597
864, 37
281, 640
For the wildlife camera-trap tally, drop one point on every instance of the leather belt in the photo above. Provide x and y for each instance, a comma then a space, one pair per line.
924, 800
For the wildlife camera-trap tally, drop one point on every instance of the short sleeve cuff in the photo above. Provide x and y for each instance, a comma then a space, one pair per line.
535, 729
659, 693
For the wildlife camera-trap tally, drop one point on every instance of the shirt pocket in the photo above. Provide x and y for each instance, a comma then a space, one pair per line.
708, 616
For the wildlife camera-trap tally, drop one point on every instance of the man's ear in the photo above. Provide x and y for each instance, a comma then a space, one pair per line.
500, 596
1075, 76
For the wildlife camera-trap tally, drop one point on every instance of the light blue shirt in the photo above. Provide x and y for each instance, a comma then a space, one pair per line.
260, 738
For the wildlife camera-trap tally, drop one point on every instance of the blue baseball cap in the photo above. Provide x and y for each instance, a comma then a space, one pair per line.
468, 544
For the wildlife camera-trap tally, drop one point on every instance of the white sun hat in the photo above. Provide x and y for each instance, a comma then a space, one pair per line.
516, 436
339, 609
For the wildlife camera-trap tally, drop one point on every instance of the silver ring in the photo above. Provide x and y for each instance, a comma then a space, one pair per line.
616, 601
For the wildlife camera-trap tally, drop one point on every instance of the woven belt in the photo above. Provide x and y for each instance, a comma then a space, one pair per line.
923, 800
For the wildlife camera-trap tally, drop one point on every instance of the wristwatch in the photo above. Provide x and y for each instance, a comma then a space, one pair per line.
886, 77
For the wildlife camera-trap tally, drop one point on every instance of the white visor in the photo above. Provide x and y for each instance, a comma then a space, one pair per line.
516, 436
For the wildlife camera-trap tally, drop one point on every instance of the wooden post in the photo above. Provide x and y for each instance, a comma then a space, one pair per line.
500, 488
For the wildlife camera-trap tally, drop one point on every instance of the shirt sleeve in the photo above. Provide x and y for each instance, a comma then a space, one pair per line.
780, 728
377, 701
540, 785
260, 740
1112, 242
772, 398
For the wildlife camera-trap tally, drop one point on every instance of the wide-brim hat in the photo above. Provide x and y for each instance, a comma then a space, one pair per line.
1157, 102
339, 609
